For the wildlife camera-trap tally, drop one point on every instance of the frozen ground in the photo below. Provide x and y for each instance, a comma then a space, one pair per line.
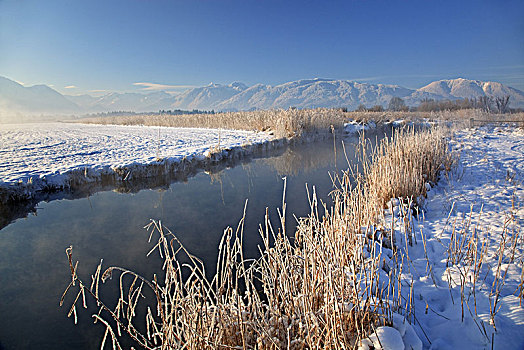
353, 127
485, 196
36, 151
466, 263
466, 260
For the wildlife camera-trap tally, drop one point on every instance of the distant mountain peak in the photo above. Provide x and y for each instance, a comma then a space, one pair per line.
468, 88
238, 85
303, 93
16, 98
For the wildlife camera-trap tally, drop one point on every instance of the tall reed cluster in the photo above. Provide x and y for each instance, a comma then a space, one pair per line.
328, 287
404, 166
283, 122
294, 122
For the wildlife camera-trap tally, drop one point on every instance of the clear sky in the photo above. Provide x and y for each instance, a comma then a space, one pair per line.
86, 46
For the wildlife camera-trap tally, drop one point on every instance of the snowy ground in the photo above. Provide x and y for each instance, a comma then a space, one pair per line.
35, 151
460, 278
477, 211
489, 183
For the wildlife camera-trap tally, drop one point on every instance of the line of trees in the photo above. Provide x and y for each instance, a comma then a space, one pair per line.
375, 108
162, 111
485, 103
111, 114
180, 111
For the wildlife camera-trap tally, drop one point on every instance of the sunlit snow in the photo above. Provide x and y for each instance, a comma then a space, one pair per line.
37, 150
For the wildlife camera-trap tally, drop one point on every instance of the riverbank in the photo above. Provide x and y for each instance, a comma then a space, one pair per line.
46, 161
461, 249
468, 272
440, 267
51, 157
52, 161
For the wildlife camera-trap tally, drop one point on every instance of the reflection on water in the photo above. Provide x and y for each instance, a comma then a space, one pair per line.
11, 211
108, 225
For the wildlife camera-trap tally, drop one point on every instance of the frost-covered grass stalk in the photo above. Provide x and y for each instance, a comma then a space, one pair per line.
403, 166
478, 266
329, 287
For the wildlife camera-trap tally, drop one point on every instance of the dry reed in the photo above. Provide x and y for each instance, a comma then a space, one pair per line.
296, 122
478, 265
329, 287
284, 123
403, 166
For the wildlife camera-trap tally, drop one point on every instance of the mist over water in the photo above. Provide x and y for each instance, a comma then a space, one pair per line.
109, 225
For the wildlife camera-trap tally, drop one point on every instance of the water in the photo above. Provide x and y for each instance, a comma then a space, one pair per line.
33, 266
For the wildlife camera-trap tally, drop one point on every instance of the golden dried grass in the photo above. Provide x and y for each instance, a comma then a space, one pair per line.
284, 123
326, 288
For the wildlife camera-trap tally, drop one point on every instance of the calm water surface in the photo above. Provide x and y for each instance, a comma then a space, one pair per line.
109, 225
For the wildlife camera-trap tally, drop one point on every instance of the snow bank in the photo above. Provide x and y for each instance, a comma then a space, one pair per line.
386, 338
353, 127
36, 157
474, 211
483, 197
400, 336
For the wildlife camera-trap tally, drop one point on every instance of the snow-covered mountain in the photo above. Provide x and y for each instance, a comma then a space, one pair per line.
463, 88
310, 93
313, 93
307, 93
207, 97
114, 101
15, 97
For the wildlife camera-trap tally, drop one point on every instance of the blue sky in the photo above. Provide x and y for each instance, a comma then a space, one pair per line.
93, 46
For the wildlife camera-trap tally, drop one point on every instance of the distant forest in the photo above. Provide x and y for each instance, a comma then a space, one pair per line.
489, 104
160, 112
485, 103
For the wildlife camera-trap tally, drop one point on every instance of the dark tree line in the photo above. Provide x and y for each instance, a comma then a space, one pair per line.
180, 112
485, 103
397, 104
375, 108
502, 104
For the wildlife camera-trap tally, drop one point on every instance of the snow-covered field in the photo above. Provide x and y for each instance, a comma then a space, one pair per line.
468, 215
29, 152
465, 266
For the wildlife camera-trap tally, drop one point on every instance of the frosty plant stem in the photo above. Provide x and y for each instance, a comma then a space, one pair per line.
337, 281
468, 259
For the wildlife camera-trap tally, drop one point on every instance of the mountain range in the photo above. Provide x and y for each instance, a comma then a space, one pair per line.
308, 93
